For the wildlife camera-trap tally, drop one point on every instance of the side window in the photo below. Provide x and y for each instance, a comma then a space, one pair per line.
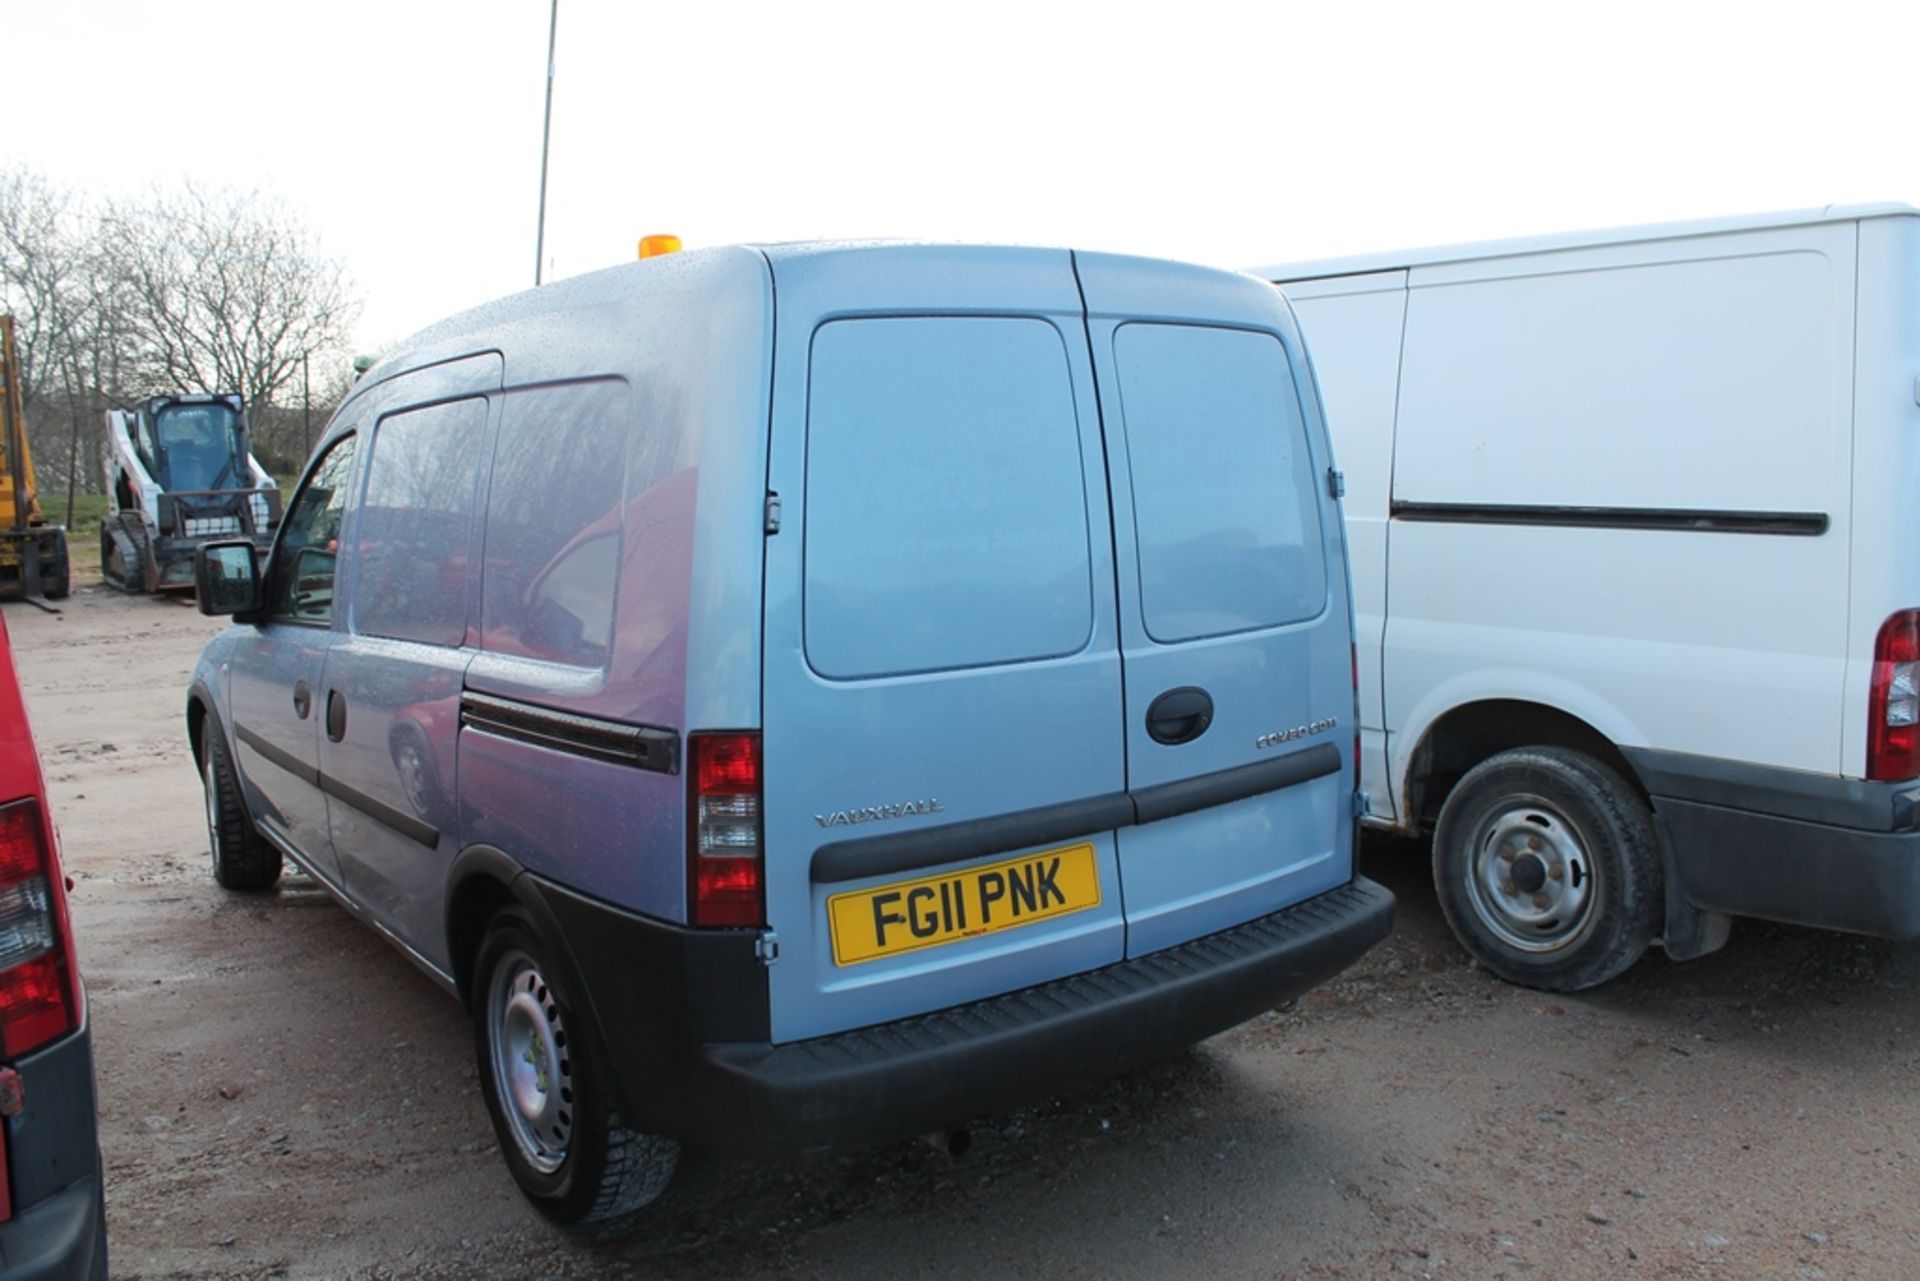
303, 564
412, 536
555, 522
1226, 510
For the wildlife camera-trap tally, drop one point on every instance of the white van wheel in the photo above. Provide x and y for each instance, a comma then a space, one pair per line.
1547, 868
544, 1084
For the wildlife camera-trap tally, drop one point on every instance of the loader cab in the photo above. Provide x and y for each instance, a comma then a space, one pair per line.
194, 444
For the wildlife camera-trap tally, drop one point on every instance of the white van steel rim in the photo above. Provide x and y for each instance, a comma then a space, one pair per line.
532, 1069
1530, 880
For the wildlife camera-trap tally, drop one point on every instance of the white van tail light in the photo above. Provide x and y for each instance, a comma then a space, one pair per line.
725, 863
1893, 702
36, 987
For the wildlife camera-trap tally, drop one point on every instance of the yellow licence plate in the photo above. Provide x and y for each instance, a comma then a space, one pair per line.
909, 915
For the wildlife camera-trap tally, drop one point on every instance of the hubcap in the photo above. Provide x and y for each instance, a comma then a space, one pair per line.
532, 1068
1529, 878
213, 811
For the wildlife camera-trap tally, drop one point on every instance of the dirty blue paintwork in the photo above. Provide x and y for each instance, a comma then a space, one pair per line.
987, 564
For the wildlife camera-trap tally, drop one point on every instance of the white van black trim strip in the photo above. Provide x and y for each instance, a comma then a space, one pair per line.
1686, 520
909, 851
406, 824
644, 747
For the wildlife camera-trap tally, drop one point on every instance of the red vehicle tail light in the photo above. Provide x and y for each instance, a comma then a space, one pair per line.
37, 1002
725, 857
1893, 700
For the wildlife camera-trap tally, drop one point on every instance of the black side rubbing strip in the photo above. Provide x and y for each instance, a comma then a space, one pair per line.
1800, 524
274, 755
641, 746
406, 824
882, 855
1168, 799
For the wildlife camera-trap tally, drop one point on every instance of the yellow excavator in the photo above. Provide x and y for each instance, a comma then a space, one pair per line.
33, 554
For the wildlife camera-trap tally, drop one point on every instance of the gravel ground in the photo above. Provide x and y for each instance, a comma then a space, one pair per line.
283, 1095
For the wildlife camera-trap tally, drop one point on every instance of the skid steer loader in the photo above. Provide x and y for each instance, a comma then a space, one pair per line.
180, 474
33, 554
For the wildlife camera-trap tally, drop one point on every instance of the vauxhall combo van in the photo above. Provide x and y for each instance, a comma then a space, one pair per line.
798, 697
1634, 527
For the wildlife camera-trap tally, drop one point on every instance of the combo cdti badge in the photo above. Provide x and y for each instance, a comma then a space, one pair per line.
810, 695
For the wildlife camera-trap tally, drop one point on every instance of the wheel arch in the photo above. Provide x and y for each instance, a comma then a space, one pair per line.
1469, 733
482, 880
199, 712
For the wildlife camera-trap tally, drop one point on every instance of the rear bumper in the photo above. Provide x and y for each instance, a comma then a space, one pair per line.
935, 1070
64, 1236
1785, 845
59, 1225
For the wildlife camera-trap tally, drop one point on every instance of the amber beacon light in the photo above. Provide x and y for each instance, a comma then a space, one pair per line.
657, 246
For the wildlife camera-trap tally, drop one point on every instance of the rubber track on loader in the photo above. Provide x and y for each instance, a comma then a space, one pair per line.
131, 567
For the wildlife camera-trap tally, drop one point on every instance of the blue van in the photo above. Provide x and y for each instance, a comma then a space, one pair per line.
803, 696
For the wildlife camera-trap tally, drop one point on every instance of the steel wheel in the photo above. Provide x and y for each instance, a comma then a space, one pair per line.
532, 1069
1532, 881
212, 781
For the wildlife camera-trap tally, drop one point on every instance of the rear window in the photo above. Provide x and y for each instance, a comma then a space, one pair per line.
1226, 512
946, 510
417, 523
554, 523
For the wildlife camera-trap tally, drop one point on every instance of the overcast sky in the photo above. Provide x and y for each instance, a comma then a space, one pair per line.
408, 133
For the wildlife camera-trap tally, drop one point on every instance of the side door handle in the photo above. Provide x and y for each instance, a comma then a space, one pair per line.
336, 715
1180, 715
302, 699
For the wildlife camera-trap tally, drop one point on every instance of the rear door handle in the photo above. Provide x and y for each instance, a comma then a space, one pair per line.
336, 715
302, 699
1180, 715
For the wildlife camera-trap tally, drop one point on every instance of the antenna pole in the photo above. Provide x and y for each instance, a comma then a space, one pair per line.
546, 130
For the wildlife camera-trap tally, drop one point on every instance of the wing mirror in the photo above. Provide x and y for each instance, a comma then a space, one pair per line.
226, 578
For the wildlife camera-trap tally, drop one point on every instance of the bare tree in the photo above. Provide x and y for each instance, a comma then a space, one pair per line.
42, 275
224, 291
189, 291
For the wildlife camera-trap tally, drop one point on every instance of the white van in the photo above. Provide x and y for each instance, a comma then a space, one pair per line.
1633, 534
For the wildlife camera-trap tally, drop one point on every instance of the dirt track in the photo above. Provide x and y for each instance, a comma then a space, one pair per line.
283, 1095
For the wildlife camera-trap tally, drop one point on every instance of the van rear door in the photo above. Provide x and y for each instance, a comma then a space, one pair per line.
1235, 625
943, 761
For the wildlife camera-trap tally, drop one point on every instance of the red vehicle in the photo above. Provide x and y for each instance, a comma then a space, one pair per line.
52, 1216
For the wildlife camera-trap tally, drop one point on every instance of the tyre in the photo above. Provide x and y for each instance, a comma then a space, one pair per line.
1547, 868
55, 579
242, 858
546, 1086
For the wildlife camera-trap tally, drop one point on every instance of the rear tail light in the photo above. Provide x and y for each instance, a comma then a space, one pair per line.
725, 863
37, 1003
1893, 701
